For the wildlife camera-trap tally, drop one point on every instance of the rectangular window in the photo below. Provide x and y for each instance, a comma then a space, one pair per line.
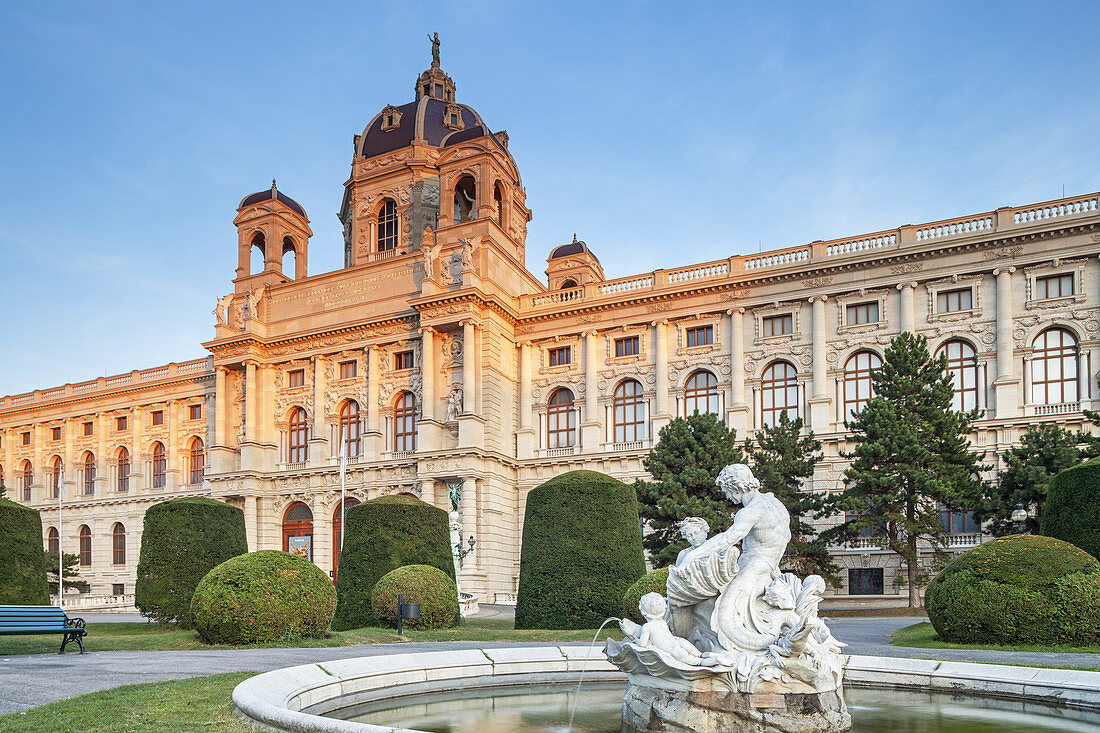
861, 313
403, 360
777, 325
118, 589
560, 356
297, 378
120, 423
87, 428
626, 346
194, 412
55, 433
700, 336
865, 582
348, 369
952, 301
1053, 286
958, 522
26, 438
158, 417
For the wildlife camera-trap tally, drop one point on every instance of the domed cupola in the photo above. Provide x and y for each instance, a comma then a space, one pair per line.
572, 265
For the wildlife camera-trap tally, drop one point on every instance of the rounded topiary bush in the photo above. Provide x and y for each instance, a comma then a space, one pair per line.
432, 588
22, 560
181, 541
381, 535
1072, 508
263, 596
582, 548
655, 581
1020, 589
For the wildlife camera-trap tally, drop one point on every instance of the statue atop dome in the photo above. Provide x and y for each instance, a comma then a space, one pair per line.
434, 38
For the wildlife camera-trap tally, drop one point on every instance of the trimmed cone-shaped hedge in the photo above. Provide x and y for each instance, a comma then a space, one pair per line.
582, 548
1072, 508
181, 541
655, 581
263, 596
1020, 589
22, 559
432, 588
381, 535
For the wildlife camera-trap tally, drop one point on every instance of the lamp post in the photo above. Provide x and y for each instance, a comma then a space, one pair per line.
1019, 516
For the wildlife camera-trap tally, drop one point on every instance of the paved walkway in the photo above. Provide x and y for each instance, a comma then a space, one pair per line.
34, 679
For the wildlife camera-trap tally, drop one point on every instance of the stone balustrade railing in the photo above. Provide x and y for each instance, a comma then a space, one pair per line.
975, 225
138, 376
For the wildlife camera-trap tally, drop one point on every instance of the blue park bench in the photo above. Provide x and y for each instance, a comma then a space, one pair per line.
25, 620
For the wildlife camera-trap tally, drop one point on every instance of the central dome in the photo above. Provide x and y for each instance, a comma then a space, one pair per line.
434, 121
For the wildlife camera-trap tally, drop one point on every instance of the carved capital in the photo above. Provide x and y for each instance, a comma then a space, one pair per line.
1004, 271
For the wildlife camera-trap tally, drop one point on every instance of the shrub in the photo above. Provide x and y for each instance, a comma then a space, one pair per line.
22, 560
263, 596
581, 550
1019, 589
654, 582
432, 588
384, 534
1072, 509
181, 541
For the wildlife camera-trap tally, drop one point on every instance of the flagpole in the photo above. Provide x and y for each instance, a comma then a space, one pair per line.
60, 534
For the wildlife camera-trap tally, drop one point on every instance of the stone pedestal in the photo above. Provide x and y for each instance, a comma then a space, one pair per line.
665, 706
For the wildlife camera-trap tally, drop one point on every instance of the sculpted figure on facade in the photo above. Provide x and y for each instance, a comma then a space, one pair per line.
454, 403
431, 252
221, 310
467, 256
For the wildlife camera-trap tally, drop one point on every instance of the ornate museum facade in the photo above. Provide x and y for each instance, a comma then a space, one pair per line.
435, 357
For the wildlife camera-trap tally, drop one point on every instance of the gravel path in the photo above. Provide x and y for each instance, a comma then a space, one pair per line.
34, 679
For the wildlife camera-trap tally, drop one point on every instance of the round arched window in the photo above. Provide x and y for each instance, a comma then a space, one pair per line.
561, 420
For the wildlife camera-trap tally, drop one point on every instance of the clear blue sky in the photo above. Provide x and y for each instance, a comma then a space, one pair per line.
662, 133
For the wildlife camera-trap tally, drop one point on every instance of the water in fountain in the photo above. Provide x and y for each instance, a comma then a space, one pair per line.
584, 667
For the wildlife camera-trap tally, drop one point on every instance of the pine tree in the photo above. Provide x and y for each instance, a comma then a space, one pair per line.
1044, 450
911, 455
69, 571
782, 458
684, 464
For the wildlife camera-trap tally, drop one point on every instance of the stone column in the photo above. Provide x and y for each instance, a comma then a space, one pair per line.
221, 406
468, 508
739, 411
318, 439
908, 313
819, 403
251, 416
173, 472
469, 369
372, 436
102, 461
427, 371
11, 479
250, 519
590, 427
662, 414
525, 435
137, 458
1006, 386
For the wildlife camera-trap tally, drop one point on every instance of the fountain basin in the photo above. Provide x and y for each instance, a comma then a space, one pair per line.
297, 698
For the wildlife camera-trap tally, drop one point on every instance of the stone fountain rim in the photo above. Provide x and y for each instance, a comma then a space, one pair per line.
290, 699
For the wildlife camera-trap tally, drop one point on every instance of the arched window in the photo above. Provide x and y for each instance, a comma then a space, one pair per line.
349, 428
118, 544
123, 470
778, 392
53, 540
85, 554
89, 474
629, 412
338, 533
561, 420
299, 437
465, 199
857, 381
298, 531
962, 365
55, 477
198, 461
1054, 367
257, 256
701, 394
498, 204
387, 226
290, 258
160, 466
568, 283
404, 423
28, 480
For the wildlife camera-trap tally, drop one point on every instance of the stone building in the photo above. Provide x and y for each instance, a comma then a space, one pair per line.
434, 357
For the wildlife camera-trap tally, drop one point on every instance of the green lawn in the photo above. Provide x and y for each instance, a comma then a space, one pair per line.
198, 704
147, 637
923, 636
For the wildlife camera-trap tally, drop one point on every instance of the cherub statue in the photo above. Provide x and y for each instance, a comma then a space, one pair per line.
655, 634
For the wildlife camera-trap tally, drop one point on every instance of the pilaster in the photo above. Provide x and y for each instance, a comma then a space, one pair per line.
907, 322
428, 428
590, 427
738, 410
820, 402
1006, 386
525, 435
372, 435
662, 414
318, 438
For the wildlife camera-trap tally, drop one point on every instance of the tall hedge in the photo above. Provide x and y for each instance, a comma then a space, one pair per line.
22, 559
182, 540
582, 549
381, 535
1072, 509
